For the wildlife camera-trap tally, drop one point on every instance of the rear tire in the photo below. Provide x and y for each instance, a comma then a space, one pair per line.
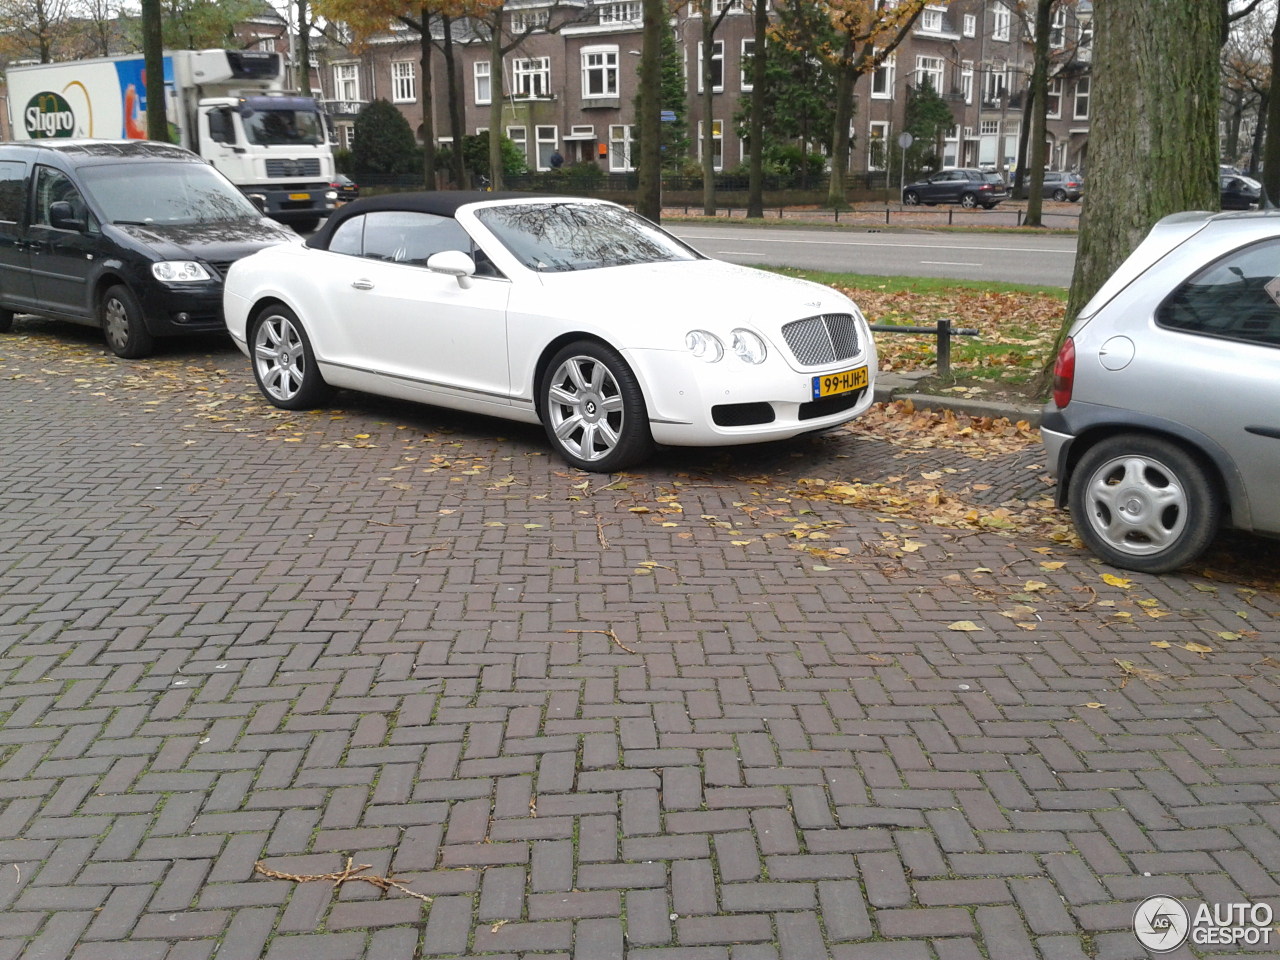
1060, 195
122, 325
6, 321
1143, 503
968, 201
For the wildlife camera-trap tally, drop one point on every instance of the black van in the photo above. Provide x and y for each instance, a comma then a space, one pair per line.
134, 236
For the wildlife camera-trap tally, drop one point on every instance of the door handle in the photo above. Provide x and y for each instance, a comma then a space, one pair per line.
362, 284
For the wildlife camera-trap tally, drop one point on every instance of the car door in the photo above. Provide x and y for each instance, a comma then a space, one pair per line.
1227, 317
424, 331
16, 290
61, 258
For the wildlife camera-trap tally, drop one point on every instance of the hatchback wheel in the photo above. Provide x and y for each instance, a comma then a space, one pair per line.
911, 198
593, 410
284, 363
1144, 504
969, 201
122, 325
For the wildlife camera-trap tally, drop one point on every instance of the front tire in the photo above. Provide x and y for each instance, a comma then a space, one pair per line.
911, 198
1142, 503
284, 363
122, 325
593, 410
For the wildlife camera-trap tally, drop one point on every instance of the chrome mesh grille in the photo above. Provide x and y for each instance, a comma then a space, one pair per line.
823, 339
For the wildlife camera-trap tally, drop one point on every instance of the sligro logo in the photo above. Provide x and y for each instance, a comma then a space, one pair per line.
49, 115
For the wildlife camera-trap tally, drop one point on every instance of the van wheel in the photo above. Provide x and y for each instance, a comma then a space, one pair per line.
122, 324
6, 321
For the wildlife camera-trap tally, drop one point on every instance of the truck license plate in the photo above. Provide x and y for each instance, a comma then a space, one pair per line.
299, 196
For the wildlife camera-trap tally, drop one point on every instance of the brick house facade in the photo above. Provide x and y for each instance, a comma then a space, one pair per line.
572, 88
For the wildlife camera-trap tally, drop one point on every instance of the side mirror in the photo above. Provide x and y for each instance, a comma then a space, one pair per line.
62, 217
259, 201
453, 263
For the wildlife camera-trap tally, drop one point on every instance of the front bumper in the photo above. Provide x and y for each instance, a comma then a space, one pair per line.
692, 403
173, 310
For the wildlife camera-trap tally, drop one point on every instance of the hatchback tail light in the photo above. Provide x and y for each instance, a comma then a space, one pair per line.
1064, 374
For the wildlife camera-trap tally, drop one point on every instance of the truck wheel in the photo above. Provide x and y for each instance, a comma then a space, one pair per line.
305, 226
122, 325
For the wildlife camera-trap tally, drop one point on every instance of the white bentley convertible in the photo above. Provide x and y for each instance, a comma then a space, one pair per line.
574, 313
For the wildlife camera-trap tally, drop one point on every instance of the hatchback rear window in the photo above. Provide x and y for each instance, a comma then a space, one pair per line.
1235, 298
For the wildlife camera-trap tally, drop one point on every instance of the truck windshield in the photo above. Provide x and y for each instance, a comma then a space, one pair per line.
175, 193
276, 127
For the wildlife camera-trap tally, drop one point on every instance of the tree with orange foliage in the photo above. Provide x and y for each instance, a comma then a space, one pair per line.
866, 34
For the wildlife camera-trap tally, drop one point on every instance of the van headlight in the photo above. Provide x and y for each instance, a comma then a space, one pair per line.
179, 271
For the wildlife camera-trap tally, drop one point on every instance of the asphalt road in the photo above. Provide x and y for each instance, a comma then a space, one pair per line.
1042, 260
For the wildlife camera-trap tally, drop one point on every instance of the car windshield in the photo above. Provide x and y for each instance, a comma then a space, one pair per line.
277, 126
558, 237
175, 193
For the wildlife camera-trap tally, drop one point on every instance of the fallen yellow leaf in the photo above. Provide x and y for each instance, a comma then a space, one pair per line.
1115, 581
964, 625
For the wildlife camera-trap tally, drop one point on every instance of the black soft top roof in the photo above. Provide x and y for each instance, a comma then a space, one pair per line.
442, 203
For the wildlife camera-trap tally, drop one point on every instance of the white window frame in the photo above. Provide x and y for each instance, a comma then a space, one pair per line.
1053, 99
883, 79
482, 81
531, 78
880, 127
621, 144
717, 56
969, 25
717, 143
627, 11
519, 135
744, 59
529, 21
546, 142
404, 81
931, 20
966, 80
1082, 97
735, 6
602, 61
933, 67
346, 81
1058, 28
1001, 20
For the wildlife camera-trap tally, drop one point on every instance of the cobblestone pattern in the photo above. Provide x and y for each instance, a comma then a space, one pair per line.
585, 731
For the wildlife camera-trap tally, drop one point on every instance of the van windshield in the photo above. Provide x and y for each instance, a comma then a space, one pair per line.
172, 193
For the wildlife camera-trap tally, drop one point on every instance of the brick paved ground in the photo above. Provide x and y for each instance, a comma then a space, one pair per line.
589, 720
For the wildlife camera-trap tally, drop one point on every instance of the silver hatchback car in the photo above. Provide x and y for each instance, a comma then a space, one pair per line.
1165, 420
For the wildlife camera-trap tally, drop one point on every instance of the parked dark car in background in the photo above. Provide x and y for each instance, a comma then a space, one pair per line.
347, 188
967, 187
1061, 185
1239, 192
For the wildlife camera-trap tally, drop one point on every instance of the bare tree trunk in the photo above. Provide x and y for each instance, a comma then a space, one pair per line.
1153, 147
303, 65
495, 100
755, 134
649, 188
1271, 152
845, 78
708, 99
457, 166
153, 60
1039, 97
428, 123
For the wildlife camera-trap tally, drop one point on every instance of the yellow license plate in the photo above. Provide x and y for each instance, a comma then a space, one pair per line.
846, 381
299, 196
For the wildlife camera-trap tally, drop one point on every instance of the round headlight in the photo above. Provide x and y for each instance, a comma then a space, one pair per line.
748, 346
703, 345
179, 271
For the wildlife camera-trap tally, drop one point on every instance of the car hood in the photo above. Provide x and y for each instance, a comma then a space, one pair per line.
692, 294
218, 241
